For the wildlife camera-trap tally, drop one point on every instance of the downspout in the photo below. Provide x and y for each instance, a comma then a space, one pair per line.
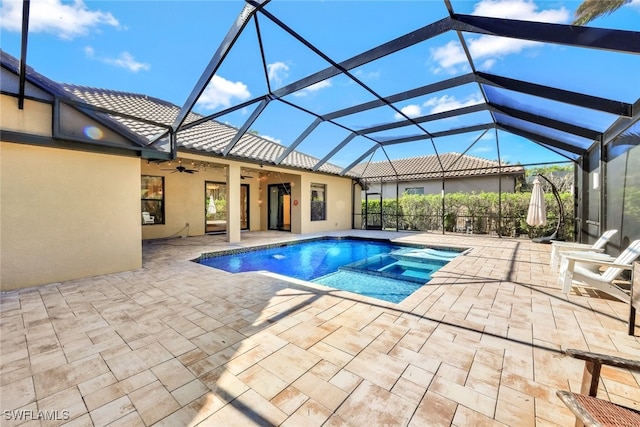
23, 53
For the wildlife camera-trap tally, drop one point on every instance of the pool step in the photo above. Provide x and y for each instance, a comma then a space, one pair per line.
426, 255
416, 269
419, 276
411, 265
416, 277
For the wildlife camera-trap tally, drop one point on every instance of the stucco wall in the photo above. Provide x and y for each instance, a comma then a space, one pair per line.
465, 185
34, 118
66, 214
338, 198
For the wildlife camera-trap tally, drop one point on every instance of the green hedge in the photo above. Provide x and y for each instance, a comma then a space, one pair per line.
469, 212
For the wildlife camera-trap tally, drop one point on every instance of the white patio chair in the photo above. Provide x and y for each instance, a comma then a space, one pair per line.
147, 218
586, 272
557, 247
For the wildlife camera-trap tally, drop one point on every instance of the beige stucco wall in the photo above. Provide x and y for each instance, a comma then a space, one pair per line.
185, 197
339, 199
34, 118
453, 185
66, 214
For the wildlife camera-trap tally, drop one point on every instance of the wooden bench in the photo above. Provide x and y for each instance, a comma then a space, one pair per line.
588, 409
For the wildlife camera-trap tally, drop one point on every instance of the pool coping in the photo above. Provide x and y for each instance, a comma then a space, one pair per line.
216, 254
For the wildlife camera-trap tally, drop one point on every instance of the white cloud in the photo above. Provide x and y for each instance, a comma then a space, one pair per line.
488, 64
451, 58
270, 138
277, 72
481, 150
447, 103
369, 75
412, 110
438, 105
520, 9
124, 60
221, 91
313, 88
66, 21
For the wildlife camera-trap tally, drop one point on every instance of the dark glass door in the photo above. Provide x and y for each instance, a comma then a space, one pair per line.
280, 207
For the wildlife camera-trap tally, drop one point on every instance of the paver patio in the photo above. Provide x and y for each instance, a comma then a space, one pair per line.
177, 343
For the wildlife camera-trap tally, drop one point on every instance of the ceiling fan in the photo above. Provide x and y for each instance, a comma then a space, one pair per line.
181, 169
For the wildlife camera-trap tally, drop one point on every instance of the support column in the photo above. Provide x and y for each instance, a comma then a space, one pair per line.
233, 203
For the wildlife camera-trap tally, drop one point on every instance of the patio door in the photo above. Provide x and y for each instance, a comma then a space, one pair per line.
373, 211
279, 207
216, 207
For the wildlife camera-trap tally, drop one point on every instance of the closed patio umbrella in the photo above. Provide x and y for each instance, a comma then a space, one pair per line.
212, 206
537, 214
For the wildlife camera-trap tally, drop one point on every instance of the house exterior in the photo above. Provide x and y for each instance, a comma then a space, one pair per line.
424, 175
82, 185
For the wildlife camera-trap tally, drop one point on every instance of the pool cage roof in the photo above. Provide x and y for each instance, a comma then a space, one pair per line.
455, 103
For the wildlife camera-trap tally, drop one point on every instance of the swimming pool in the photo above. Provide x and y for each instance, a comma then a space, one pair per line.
376, 268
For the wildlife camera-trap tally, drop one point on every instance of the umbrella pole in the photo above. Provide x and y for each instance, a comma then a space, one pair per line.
556, 233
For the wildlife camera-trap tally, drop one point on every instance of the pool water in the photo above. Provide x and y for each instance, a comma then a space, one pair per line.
375, 268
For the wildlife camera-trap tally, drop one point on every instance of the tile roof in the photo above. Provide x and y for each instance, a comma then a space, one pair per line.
210, 136
58, 90
428, 167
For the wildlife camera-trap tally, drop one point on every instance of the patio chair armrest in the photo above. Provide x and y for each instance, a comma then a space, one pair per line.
593, 364
584, 249
588, 255
604, 359
595, 261
563, 244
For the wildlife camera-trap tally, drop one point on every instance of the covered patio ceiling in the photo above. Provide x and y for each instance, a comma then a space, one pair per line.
541, 103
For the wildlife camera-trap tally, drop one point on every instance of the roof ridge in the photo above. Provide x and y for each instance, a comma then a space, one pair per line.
119, 93
419, 157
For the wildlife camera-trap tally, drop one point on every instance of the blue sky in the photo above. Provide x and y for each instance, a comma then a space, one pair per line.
160, 48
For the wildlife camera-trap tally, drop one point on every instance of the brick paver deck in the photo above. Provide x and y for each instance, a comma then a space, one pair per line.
177, 343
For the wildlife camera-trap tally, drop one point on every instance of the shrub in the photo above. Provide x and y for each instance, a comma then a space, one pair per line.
476, 212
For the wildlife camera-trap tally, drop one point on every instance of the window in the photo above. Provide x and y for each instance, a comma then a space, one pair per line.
318, 202
414, 190
152, 193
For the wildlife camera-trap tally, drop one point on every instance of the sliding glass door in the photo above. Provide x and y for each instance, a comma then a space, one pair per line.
216, 207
